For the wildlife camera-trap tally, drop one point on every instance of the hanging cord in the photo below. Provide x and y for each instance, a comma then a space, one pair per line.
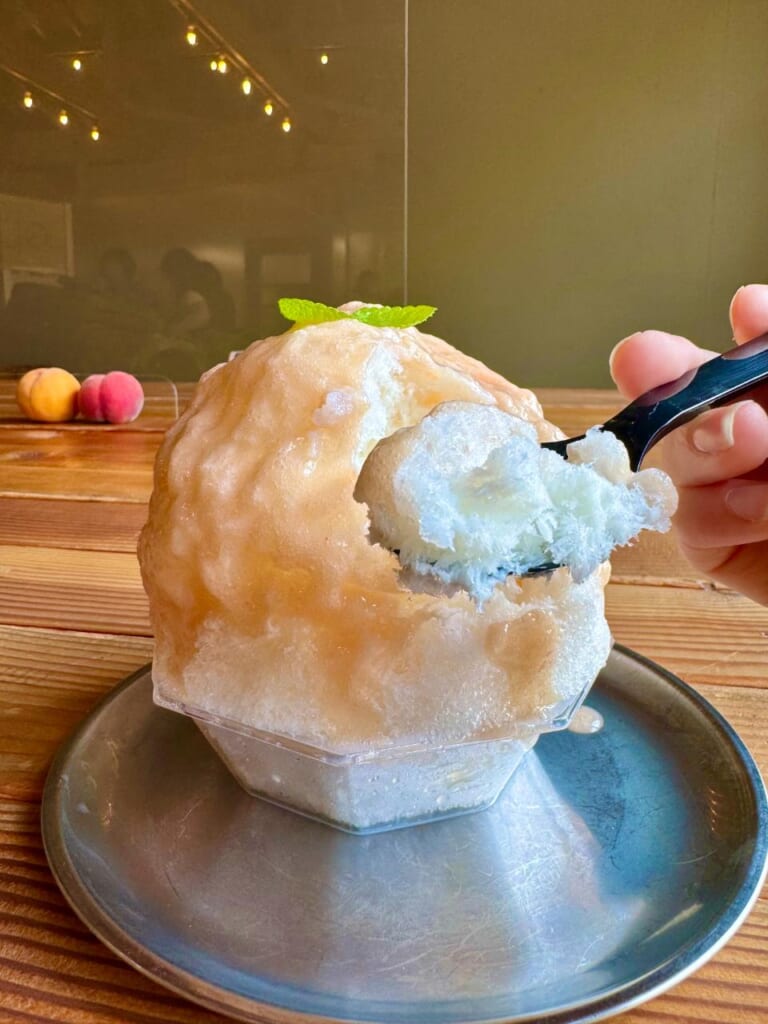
405, 149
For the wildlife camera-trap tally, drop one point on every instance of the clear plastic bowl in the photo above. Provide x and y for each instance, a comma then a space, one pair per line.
374, 790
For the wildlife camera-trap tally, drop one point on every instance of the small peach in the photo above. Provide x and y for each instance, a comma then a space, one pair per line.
116, 397
48, 394
89, 399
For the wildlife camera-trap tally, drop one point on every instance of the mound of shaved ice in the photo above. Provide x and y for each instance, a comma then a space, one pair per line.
469, 496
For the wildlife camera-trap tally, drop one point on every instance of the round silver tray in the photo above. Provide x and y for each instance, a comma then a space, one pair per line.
611, 867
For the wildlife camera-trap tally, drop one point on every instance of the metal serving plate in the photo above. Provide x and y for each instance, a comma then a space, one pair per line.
611, 867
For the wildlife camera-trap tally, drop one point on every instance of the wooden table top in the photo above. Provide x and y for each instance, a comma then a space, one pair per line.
73, 623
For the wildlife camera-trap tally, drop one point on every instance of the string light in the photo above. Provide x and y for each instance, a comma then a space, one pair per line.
223, 58
77, 64
61, 109
324, 58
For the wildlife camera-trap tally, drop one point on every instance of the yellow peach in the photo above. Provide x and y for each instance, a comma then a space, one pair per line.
48, 394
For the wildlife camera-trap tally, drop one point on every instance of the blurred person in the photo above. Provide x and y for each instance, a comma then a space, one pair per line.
220, 303
189, 311
117, 278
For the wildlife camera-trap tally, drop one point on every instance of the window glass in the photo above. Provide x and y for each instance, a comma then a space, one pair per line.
168, 170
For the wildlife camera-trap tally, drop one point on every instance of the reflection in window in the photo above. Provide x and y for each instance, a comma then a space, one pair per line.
174, 168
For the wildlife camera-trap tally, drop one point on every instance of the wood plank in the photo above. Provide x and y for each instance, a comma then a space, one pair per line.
87, 463
114, 526
49, 681
109, 484
51, 967
746, 709
97, 591
69, 523
575, 413
703, 634
69, 563
48, 960
147, 423
655, 559
654, 556
727, 990
710, 635
608, 398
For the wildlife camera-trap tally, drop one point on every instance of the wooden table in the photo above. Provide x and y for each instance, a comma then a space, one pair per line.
73, 622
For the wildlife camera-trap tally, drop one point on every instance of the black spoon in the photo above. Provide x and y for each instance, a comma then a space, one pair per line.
657, 412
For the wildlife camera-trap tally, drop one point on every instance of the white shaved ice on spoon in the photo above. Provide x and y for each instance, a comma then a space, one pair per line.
468, 496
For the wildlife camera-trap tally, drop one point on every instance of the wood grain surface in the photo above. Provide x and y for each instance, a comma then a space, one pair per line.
73, 623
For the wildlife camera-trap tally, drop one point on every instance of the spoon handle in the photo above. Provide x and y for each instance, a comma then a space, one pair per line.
646, 420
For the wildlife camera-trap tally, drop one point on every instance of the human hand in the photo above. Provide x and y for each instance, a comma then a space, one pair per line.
718, 461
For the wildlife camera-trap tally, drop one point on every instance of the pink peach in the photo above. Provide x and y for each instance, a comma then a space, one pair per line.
89, 397
116, 397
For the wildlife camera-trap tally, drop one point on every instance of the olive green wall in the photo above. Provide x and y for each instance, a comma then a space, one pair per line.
581, 169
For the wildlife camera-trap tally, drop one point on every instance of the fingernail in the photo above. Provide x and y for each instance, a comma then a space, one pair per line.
749, 501
714, 431
733, 300
616, 348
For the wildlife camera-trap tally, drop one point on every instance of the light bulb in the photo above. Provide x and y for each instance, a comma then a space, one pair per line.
191, 35
214, 64
63, 118
95, 133
222, 66
28, 101
77, 64
286, 125
324, 58
246, 86
269, 108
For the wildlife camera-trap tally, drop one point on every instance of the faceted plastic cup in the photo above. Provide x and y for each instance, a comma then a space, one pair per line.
374, 790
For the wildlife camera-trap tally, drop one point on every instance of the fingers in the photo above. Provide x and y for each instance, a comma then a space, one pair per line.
722, 521
718, 445
740, 567
649, 358
723, 532
723, 515
722, 443
749, 312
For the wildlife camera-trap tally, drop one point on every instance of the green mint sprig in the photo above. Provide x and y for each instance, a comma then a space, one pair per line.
304, 312
394, 316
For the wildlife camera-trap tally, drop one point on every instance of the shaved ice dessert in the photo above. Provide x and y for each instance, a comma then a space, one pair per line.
323, 680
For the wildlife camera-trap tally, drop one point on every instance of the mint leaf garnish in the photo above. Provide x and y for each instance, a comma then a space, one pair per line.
394, 316
304, 311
